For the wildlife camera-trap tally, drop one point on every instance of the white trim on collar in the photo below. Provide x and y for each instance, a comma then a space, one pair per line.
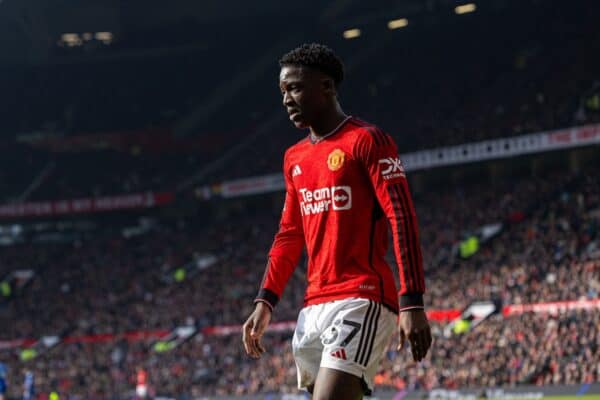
315, 140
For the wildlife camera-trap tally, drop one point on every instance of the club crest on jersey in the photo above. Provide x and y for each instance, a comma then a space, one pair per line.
335, 160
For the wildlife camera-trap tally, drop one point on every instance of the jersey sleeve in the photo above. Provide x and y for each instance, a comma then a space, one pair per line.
379, 154
286, 248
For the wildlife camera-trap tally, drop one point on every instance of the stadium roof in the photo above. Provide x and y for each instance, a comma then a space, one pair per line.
29, 28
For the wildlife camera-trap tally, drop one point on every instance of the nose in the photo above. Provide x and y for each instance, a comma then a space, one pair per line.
287, 99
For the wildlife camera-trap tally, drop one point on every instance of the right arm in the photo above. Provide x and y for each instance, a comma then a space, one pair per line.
283, 259
286, 249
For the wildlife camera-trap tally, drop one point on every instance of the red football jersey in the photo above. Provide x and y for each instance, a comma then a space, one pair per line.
341, 193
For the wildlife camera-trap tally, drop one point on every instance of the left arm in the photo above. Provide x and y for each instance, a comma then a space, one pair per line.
379, 154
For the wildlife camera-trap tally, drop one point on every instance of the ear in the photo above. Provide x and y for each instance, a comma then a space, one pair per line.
329, 86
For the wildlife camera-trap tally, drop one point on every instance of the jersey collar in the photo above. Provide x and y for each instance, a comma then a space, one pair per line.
319, 139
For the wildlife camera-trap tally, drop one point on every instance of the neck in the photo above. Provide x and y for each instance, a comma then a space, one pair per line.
328, 123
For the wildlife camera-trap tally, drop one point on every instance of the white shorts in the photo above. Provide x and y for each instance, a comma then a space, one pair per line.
349, 335
141, 391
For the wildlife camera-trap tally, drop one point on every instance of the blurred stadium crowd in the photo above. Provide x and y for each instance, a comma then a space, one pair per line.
548, 251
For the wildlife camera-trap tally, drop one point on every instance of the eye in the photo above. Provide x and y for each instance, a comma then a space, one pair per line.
291, 88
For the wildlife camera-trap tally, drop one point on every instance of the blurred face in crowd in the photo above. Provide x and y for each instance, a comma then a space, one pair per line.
308, 94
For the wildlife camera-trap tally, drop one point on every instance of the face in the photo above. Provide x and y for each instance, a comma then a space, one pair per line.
306, 94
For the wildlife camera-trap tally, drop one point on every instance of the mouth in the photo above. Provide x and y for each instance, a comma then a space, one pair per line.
294, 114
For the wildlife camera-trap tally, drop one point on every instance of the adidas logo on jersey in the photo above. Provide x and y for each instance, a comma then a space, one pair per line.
341, 353
296, 171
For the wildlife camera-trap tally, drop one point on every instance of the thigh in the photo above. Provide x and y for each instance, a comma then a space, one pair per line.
334, 384
307, 348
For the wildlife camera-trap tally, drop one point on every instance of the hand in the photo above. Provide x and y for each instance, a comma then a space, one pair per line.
413, 325
253, 329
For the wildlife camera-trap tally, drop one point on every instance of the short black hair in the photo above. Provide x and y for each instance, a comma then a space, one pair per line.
317, 56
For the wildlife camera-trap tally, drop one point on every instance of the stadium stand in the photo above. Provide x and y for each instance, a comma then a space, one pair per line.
499, 86
108, 285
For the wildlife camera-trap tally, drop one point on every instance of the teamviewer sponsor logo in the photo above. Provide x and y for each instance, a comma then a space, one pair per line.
336, 198
392, 168
342, 197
